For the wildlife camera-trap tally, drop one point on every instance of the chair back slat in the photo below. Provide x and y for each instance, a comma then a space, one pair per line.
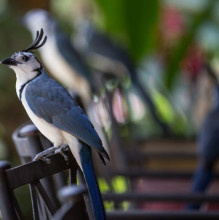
34, 202
6, 199
50, 204
25, 174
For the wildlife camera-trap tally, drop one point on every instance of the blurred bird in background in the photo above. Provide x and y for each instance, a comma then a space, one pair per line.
107, 56
208, 145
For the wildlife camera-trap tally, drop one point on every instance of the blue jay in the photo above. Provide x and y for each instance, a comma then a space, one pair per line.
97, 46
208, 146
60, 57
57, 116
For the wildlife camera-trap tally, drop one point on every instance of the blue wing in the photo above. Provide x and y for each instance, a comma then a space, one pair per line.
208, 138
50, 101
101, 44
72, 57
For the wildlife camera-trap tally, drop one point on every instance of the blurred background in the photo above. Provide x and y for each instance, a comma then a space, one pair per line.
167, 49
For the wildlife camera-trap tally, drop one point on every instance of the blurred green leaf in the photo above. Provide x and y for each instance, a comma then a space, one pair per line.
141, 25
163, 106
112, 12
133, 21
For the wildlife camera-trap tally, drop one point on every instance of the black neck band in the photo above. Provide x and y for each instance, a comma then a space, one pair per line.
23, 86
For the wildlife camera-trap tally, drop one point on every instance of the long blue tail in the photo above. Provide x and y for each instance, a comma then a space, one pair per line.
201, 180
92, 185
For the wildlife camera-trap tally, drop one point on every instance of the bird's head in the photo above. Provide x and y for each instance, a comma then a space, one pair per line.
39, 18
24, 61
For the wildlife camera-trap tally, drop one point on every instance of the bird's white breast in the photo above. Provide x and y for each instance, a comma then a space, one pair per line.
48, 130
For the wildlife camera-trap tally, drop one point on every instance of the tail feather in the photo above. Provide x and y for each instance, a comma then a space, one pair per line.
102, 158
201, 180
92, 185
105, 154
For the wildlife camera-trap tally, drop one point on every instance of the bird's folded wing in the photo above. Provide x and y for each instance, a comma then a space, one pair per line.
73, 58
48, 100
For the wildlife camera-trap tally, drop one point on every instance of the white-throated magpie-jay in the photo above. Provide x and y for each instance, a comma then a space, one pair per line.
63, 61
57, 116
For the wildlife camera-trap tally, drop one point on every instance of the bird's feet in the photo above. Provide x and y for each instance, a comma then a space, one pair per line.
61, 150
43, 155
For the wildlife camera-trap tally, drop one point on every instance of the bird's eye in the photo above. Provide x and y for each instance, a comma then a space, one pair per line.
25, 58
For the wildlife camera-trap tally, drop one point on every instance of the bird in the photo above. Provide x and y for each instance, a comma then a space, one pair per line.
208, 146
60, 56
65, 63
105, 54
57, 116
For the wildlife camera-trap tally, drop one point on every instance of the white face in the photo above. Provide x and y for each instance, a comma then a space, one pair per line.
25, 62
25, 66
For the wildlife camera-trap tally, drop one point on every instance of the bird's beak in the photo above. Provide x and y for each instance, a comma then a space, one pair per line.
9, 61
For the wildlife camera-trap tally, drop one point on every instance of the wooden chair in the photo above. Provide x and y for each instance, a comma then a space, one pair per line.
43, 205
40, 177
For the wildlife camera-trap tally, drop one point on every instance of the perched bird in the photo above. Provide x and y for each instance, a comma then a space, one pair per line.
208, 146
57, 116
59, 56
64, 62
104, 54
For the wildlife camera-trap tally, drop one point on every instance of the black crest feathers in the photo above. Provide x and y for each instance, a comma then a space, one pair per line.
36, 44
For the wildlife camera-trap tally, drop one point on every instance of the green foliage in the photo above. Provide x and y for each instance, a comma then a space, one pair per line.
163, 106
133, 21
119, 184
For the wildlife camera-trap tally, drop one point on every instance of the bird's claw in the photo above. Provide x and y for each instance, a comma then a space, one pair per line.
42, 155
62, 150
43, 158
